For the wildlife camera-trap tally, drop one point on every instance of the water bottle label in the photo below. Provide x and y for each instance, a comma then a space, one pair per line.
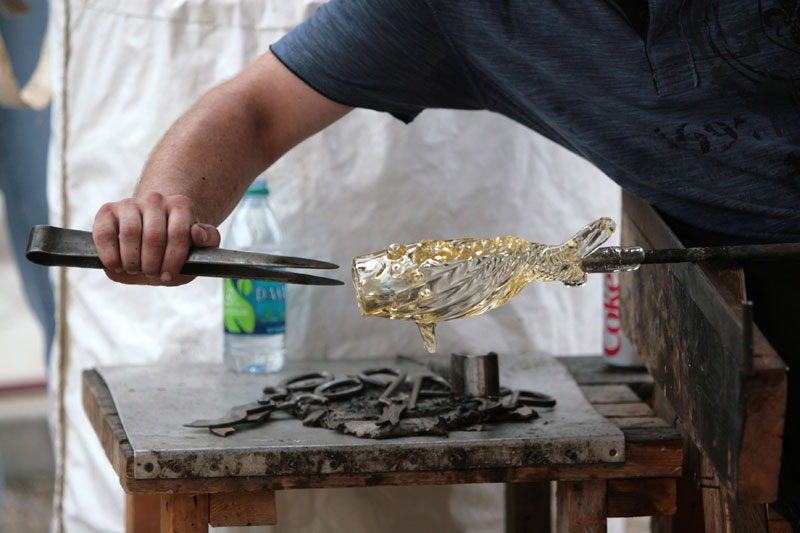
252, 306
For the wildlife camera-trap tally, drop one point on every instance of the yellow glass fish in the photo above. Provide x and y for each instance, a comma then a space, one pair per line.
432, 281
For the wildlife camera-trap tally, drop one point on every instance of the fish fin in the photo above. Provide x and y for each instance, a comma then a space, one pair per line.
428, 332
591, 236
563, 261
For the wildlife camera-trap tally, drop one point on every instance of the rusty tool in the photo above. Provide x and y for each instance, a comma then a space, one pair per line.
437, 387
527, 397
306, 381
614, 258
249, 412
367, 376
51, 246
339, 389
272, 399
393, 406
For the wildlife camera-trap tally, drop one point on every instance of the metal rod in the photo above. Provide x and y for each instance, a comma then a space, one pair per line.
613, 258
742, 252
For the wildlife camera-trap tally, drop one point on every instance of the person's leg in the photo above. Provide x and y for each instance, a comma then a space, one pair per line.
24, 137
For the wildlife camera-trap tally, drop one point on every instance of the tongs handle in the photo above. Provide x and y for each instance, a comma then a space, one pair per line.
51, 246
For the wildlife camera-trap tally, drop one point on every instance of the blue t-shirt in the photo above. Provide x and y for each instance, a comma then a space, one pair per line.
698, 113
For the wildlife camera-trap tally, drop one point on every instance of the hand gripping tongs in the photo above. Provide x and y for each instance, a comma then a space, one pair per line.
50, 246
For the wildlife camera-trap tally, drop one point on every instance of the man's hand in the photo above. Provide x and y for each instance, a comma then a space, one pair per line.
146, 240
202, 167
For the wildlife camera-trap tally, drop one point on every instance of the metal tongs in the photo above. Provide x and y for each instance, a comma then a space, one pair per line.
51, 246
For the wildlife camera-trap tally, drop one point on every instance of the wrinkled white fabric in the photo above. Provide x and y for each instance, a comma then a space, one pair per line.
367, 181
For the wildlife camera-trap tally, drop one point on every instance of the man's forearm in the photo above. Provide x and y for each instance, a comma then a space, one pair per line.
210, 154
201, 168
234, 133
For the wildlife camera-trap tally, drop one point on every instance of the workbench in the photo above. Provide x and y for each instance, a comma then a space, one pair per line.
600, 473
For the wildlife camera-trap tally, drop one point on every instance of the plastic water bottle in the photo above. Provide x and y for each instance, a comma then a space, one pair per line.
254, 311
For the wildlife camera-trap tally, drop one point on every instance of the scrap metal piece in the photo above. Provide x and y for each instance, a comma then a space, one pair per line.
535, 399
236, 415
438, 387
393, 407
434, 381
489, 405
307, 381
475, 375
273, 395
392, 387
368, 376
392, 411
223, 431
340, 388
415, 388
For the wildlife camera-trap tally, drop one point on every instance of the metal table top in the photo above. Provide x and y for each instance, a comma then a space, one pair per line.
154, 401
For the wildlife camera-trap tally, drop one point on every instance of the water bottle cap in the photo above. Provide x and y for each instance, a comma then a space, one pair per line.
259, 186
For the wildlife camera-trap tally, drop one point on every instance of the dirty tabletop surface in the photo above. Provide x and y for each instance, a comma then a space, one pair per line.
153, 403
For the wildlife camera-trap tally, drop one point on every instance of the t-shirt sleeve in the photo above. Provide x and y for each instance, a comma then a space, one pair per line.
387, 55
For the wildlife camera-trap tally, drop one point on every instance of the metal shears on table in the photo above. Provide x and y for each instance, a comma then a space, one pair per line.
51, 246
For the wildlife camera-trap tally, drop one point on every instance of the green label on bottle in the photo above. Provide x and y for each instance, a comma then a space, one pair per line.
252, 306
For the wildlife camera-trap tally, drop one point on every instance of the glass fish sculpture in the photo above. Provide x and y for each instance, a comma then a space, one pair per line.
432, 281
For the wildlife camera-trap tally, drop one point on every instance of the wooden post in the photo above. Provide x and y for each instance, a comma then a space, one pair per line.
582, 506
142, 513
725, 382
528, 507
184, 513
722, 513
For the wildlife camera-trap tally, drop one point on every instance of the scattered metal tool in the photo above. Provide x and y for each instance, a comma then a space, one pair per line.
513, 398
51, 246
426, 404
339, 389
307, 381
439, 387
368, 376
272, 399
614, 258
249, 412
393, 404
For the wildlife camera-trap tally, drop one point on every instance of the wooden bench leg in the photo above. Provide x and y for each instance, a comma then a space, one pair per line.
184, 513
582, 506
528, 507
142, 513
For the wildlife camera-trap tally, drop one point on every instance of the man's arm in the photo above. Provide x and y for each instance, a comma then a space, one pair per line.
201, 168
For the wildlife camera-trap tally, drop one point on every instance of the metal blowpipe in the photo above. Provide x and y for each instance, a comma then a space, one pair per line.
616, 258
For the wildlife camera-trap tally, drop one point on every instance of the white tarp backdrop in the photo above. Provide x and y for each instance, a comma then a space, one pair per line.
124, 71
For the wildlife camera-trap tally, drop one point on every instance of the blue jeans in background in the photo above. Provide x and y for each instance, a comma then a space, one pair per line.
24, 138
